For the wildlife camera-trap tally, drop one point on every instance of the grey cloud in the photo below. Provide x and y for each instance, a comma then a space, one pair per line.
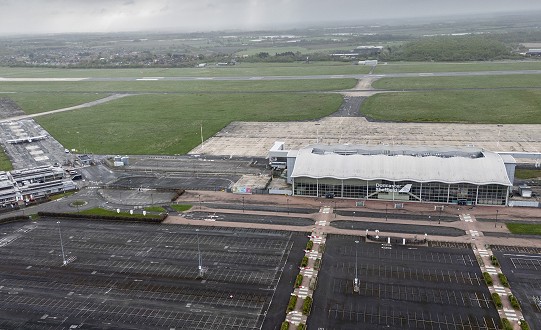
43, 16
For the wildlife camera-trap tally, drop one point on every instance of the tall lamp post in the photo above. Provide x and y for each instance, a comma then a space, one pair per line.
386, 211
287, 204
242, 204
356, 286
496, 223
61, 245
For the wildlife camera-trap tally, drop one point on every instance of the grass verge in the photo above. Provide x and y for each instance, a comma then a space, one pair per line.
521, 173
524, 228
181, 207
157, 209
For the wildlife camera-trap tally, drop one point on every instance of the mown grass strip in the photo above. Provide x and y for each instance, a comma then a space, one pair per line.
524, 228
509, 81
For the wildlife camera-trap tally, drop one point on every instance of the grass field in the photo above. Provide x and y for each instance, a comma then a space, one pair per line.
524, 228
512, 81
242, 69
177, 86
5, 163
490, 107
170, 124
404, 67
521, 173
41, 102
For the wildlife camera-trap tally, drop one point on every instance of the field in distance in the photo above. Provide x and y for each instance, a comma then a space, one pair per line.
211, 70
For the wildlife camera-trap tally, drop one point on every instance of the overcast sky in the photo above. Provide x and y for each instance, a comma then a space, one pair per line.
59, 16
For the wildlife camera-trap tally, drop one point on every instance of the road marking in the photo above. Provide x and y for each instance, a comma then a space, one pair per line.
467, 217
491, 270
483, 253
474, 233
322, 223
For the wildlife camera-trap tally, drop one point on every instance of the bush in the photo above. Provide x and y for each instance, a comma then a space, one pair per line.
307, 305
298, 281
494, 261
317, 264
497, 300
506, 325
524, 325
503, 280
514, 302
104, 217
321, 248
301, 326
304, 261
488, 278
291, 304
309, 245
284, 326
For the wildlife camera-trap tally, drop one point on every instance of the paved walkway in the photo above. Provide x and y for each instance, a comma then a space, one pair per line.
310, 272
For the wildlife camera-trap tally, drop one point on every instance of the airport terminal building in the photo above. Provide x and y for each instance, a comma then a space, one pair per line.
468, 176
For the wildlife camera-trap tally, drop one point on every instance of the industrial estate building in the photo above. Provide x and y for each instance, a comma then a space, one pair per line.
20, 186
399, 173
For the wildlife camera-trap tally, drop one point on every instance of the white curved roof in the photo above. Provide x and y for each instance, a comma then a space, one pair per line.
487, 169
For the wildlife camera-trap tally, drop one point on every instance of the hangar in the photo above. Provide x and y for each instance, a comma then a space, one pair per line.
468, 176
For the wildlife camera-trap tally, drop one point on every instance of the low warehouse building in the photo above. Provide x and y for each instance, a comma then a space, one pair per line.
466, 176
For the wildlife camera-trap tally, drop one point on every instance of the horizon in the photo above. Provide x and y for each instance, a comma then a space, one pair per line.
141, 16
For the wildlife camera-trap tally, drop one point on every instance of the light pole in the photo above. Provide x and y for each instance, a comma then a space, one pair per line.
439, 219
496, 223
356, 287
287, 203
200, 260
386, 211
242, 204
335, 209
199, 196
61, 244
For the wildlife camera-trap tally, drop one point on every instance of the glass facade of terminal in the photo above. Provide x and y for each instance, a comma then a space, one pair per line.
438, 192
